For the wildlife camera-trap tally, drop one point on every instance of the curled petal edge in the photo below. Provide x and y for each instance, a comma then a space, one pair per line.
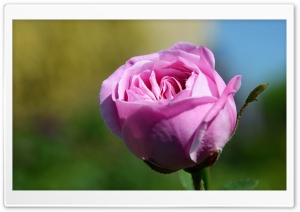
232, 87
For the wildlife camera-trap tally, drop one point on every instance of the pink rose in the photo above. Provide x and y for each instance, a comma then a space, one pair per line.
171, 108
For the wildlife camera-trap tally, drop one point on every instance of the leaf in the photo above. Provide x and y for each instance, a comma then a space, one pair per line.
241, 184
185, 180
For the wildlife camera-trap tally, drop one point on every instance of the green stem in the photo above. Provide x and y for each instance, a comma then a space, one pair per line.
206, 178
197, 181
201, 179
251, 98
239, 115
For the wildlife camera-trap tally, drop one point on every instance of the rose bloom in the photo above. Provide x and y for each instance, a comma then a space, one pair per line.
171, 108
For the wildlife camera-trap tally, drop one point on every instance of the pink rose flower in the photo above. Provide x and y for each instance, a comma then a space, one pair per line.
171, 108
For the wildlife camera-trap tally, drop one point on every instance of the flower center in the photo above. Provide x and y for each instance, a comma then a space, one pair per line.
170, 86
152, 86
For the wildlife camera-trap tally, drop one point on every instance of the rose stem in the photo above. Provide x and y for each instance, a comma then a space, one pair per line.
206, 177
239, 115
251, 98
201, 179
197, 180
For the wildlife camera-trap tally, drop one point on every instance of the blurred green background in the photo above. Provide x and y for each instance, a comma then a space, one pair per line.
60, 141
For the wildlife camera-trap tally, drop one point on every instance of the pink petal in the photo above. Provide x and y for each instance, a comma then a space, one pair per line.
154, 85
216, 127
185, 46
207, 62
136, 94
148, 57
220, 83
184, 65
107, 106
124, 82
201, 86
174, 108
208, 55
212, 136
157, 133
126, 109
148, 138
140, 84
232, 87
173, 55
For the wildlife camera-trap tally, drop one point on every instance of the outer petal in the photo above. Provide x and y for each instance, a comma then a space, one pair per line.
149, 57
185, 46
204, 86
207, 56
148, 139
163, 135
207, 62
216, 128
232, 87
108, 107
220, 83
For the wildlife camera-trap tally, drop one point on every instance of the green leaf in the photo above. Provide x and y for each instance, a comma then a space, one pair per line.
241, 184
185, 180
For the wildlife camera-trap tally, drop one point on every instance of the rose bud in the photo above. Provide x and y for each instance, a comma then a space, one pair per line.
171, 108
